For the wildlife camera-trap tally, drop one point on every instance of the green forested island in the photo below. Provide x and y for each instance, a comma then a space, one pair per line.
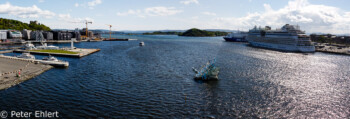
194, 32
18, 25
202, 33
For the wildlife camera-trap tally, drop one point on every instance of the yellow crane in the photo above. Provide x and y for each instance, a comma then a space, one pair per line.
110, 31
87, 31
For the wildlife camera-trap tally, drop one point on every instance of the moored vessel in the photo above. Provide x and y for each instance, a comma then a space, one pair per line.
26, 56
54, 62
288, 38
236, 37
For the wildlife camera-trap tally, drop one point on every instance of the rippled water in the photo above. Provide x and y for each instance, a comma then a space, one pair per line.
125, 80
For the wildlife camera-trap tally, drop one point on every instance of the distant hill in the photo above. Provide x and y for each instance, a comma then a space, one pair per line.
18, 25
151, 31
194, 32
163, 33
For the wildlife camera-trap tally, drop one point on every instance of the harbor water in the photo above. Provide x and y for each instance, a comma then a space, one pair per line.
125, 80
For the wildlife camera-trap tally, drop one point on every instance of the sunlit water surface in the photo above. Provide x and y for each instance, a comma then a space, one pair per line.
125, 80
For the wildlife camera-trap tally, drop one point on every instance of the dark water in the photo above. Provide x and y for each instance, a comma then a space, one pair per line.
125, 80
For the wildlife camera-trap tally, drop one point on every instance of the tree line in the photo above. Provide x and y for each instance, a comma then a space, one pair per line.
194, 32
18, 25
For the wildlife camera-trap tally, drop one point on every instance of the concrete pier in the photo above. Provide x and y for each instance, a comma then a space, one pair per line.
10, 68
6, 51
80, 52
334, 50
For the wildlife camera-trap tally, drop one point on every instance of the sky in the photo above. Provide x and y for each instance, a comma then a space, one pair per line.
313, 16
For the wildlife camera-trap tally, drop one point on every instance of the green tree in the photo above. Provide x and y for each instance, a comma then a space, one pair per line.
18, 25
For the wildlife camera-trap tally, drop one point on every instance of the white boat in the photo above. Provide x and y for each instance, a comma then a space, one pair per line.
26, 56
50, 47
236, 37
288, 38
142, 43
50, 58
54, 62
29, 46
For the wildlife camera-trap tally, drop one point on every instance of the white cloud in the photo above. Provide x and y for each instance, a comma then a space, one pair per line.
90, 4
129, 12
209, 13
186, 2
25, 12
161, 11
152, 11
76, 5
68, 18
94, 3
311, 17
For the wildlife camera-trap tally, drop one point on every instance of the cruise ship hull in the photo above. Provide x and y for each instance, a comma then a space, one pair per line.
235, 39
288, 38
289, 48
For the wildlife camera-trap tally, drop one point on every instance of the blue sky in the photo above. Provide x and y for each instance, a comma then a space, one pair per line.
330, 16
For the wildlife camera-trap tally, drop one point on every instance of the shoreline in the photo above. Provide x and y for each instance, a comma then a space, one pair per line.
10, 68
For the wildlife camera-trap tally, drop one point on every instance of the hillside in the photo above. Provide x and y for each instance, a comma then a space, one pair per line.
202, 33
18, 25
162, 33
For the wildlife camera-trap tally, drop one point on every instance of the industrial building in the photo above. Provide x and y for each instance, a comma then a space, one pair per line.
3, 34
13, 34
26, 34
48, 35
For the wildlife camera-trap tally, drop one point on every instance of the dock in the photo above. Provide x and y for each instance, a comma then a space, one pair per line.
52, 63
333, 50
54, 41
10, 68
118, 39
6, 51
80, 52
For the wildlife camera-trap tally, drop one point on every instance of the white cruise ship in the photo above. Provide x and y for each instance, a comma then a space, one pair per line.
288, 38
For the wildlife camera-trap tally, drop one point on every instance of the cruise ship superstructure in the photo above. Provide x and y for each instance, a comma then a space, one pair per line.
288, 38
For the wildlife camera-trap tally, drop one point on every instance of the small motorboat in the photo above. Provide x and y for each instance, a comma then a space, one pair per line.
207, 72
26, 56
50, 58
50, 47
142, 43
29, 46
54, 61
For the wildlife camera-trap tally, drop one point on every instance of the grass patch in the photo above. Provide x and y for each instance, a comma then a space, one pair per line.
55, 51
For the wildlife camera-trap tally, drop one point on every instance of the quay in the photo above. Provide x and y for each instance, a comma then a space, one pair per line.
55, 41
7, 48
80, 52
334, 49
6, 51
52, 63
10, 68
118, 39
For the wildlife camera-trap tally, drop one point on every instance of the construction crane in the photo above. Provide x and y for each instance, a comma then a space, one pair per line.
87, 22
110, 31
